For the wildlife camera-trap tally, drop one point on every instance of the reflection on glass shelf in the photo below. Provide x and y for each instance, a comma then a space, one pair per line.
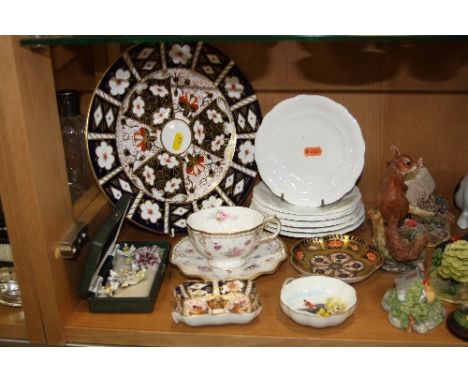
137, 39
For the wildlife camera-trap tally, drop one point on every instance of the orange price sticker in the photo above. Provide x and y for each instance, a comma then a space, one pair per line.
314, 151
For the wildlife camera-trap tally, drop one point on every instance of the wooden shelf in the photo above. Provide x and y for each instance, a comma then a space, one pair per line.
12, 323
367, 327
399, 91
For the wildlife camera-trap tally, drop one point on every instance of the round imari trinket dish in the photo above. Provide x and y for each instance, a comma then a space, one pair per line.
174, 125
344, 257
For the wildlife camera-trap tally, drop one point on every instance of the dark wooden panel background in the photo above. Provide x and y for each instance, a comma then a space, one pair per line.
413, 94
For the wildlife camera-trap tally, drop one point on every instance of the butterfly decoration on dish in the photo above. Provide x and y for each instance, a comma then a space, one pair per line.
174, 125
344, 257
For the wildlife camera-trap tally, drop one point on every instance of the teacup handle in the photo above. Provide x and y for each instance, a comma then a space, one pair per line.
270, 219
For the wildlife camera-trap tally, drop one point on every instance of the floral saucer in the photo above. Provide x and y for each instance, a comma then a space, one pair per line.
264, 259
344, 257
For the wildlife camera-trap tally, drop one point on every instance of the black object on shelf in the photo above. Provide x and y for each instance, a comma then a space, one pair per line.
457, 322
3, 227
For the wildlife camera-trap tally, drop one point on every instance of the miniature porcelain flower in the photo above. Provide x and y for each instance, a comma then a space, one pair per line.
212, 201
199, 132
138, 106
214, 116
229, 128
120, 82
233, 87
172, 185
148, 173
167, 160
161, 115
159, 90
126, 250
217, 143
158, 194
105, 155
130, 277
180, 54
146, 259
150, 211
247, 152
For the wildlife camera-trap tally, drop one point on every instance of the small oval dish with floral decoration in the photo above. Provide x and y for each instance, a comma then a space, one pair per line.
216, 302
344, 257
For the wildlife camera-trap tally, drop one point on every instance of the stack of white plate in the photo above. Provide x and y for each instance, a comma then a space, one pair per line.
340, 217
310, 153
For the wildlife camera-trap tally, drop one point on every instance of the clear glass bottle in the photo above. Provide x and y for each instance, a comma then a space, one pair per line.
72, 123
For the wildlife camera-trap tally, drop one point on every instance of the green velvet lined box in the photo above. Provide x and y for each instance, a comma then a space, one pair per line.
98, 264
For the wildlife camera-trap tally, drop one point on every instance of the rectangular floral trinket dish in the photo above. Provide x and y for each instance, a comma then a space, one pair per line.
201, 303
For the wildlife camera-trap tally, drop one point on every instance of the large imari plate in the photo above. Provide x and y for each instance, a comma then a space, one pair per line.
174, 125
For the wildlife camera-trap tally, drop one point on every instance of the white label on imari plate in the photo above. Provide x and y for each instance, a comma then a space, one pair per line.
176, 136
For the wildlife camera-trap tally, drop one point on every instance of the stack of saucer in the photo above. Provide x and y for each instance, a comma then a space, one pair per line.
310, 153
340, 217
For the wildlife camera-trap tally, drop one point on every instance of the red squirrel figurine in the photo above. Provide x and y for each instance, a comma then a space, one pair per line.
394, 206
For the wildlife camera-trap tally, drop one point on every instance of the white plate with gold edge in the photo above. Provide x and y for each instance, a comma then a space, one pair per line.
265, 259
301, 235
309, 149
356, 218
312, 223
263, 196
307, 218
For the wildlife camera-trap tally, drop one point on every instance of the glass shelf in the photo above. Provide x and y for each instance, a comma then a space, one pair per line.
136, 39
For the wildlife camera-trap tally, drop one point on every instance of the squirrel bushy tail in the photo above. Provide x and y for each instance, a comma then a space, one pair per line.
398, 247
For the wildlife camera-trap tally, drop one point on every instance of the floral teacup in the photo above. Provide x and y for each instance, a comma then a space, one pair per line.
227, 235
